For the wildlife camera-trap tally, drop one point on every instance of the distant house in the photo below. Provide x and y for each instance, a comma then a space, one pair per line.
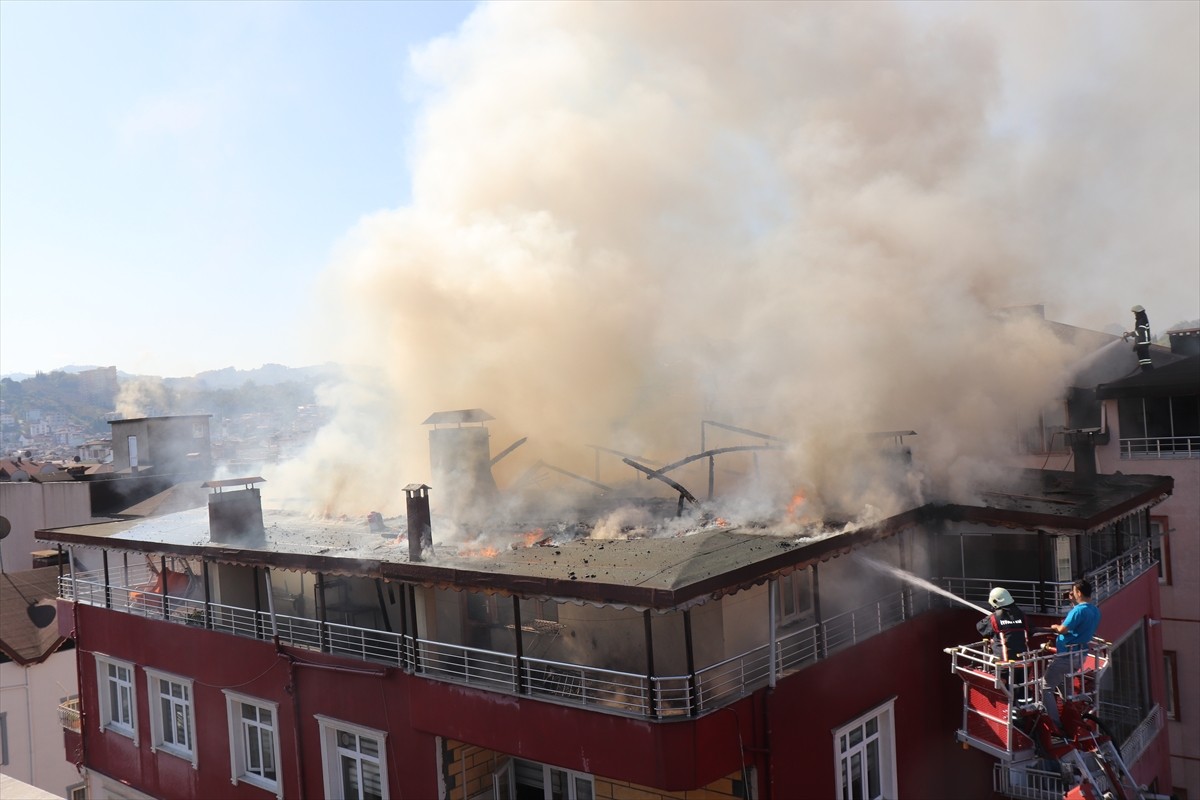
177, 445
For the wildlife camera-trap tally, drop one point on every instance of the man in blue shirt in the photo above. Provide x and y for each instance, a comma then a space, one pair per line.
1074, 635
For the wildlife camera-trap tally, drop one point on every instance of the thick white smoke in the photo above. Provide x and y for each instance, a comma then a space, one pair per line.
792, 217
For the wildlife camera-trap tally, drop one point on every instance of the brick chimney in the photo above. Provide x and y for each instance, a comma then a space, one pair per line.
420, 533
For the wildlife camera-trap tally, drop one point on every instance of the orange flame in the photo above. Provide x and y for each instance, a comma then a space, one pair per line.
481, 552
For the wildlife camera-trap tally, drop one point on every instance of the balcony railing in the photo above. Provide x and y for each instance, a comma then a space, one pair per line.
612, 691
1161, 447
1050, 596
69, 717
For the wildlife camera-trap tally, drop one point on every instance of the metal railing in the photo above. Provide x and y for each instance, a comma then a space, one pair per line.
1161, 447
612, 691
1050, 596
1027, 783
69, 716
1141, 737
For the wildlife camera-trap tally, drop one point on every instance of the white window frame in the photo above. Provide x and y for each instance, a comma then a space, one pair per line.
330, 751
569, 778
155, 681
794, 600
884, 736
239, 730
108, 719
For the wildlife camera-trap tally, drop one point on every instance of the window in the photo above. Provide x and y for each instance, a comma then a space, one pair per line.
520, 778
1159, 533
1171, 673
794, 600
118, 702
355, 762
172, 727
77, 792
1125, 693
254, 741
865, 751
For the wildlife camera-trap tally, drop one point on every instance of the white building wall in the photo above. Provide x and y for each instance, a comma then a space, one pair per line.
31, 506
29, 697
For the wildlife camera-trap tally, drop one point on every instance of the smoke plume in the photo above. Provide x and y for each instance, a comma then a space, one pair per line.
799, 218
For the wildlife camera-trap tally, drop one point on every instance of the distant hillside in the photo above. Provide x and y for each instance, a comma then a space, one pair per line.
90, 397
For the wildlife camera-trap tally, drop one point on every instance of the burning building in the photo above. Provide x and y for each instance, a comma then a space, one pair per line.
640, 646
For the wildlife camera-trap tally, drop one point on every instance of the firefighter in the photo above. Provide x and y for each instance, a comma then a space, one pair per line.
1009, 633
1005, 626
1141, 337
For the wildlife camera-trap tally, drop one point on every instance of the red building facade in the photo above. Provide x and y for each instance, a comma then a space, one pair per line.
722, 664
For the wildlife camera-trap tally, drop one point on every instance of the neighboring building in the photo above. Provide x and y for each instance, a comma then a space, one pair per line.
30, 505
37, 678
178, 445
246, 653
1153, 425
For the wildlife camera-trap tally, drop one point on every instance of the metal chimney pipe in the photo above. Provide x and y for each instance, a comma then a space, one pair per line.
419, 530
1083, 449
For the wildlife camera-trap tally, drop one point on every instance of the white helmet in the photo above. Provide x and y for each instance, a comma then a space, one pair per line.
999, 597
1137, 309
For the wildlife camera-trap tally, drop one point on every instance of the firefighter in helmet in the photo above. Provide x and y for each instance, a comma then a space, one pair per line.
1005, 626
1141, 337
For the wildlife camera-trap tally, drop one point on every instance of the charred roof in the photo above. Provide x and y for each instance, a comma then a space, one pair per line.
659, 572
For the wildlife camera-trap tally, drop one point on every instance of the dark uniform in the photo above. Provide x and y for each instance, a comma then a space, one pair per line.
1141, 337
1007, 629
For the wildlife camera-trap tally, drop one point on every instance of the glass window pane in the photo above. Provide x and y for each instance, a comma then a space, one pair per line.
873, 769
583, 788
856, 736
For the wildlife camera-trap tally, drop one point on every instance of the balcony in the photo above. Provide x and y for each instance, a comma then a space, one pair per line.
1161, 447
606, 690
1048, 597
69, 716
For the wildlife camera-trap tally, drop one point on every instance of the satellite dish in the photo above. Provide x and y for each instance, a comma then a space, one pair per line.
5, 527
42, 614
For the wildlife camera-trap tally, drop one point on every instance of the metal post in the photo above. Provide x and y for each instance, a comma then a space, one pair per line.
693, 700
162, 565
816, 589
322, 614
712, 468
257, 605
387, 623
650, 693
772, 599
74, 583
107, 586
412, 610
520, 671
404, 662
271, 606
1041, 566
208, 623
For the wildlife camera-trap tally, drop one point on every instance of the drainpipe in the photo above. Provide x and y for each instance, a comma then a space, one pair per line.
294, 690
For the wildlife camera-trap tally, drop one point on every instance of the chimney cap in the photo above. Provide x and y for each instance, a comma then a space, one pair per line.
247, 482
458, 417
416, 487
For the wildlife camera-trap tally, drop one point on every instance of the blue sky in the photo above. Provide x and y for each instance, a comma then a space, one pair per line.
174, 175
